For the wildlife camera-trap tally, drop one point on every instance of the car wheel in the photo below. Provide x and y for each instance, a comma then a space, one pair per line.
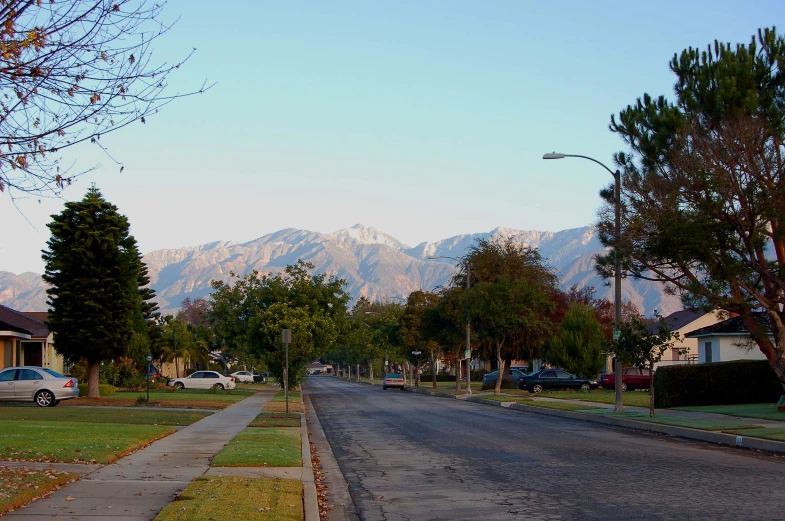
44, 398
403, 388
537, 389
623, 387
384, 388
179, 385
219, 387
585, 387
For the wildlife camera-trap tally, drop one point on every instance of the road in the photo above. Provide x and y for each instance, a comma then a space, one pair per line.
415, 457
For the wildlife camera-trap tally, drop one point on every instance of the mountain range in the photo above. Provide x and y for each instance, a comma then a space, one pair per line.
373, 263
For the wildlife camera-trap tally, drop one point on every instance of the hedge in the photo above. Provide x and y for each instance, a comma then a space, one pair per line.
103, 390
718, 383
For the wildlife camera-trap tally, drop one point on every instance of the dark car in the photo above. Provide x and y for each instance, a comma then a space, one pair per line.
555, 379
260, 378
514, 376
631, 378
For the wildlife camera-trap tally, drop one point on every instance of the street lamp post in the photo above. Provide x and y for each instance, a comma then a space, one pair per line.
468, 326
417, 370
149, 359
616, 264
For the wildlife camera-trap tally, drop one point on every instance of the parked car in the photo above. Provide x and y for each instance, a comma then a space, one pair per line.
36, 384
245, 377
393, 380
555, 379
490, 378
260, 378
203, 380
631, 378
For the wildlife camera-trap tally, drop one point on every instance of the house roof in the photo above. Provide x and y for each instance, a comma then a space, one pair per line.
41, 316
5, 326
31, 325
679, 319
732, 326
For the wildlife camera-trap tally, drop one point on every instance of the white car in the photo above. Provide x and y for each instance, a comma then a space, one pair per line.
203, 380
244, 377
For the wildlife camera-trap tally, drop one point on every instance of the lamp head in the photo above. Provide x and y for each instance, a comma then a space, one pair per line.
553, 155
149, 358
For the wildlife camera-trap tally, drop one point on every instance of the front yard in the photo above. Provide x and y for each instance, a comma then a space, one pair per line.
181, 398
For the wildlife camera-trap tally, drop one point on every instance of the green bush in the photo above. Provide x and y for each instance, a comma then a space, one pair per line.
506, 384
719, 383
103, 389
439, 378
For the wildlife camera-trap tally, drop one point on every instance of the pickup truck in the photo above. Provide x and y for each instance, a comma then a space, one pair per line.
631, 378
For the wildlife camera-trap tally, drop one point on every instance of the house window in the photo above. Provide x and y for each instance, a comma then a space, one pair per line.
707, 349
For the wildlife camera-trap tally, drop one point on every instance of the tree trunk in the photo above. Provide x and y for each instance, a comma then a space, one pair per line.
433, 369
458, 370
651, 390
370, 370
177, 366
502, 369
93, 376
417, 374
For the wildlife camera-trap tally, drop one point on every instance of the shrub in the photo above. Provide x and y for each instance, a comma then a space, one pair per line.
719, 383
506, 384
103, 390
171, 389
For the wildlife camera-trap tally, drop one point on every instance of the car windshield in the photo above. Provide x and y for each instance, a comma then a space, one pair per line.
394, 375
53, 373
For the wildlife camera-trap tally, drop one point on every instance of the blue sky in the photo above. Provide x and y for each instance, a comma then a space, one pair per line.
425, 119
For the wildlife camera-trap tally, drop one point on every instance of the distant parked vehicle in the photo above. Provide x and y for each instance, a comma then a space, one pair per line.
555, 379
260, 378
514, 376
393, 380
631, 378
203, 380
245, 377
36, 384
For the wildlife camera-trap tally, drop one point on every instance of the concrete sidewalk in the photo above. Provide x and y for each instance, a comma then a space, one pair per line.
137, 487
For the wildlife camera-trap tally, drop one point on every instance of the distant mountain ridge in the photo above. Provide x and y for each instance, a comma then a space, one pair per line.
373, 263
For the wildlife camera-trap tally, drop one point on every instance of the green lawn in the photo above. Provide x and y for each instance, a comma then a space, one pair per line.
294, 396
767, 433
98, 415
766, 411
276, 419
236, 498
234, 395
631, 398
679, 421
21, 485
561, 406
262, 447
74, 442
503, 398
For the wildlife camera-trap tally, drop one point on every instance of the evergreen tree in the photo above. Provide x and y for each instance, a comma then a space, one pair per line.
578, 346
94, 269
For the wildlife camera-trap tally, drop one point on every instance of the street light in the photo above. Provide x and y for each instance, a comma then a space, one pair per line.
417, 374
468, 326
617, 263
149, 359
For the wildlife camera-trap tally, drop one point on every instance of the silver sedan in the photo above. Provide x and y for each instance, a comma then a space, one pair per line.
36, 384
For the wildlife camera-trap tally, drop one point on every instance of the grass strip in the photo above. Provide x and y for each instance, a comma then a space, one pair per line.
281, 407
74, 442
21, 485
276, 419
281, 396
678, 421
765, 411
260, 448
561, 406
768, 433
96, 415
227, 498
630, 398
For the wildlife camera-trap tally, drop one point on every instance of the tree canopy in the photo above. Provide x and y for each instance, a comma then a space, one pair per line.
702, 185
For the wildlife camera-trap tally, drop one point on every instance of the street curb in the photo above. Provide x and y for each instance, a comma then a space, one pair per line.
310, 498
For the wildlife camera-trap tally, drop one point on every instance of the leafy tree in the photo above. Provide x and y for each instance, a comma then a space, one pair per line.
411, 330
195, 312
702, 198
444, 324
511, 302
642, 343
184, 342
579, 346
311, 332
73, 72
93, 266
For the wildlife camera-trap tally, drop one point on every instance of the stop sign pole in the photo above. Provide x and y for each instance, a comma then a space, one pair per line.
286, 338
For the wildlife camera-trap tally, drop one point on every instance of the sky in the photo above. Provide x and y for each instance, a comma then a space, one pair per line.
424, 119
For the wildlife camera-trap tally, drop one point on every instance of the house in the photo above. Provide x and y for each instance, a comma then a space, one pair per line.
25, 340
728, 340
685, 351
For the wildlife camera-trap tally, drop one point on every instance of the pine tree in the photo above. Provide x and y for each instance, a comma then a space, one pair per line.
94, 269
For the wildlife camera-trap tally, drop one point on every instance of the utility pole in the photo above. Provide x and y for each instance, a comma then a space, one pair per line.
286, 337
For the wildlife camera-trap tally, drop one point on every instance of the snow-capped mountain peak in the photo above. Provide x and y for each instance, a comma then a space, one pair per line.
362, 234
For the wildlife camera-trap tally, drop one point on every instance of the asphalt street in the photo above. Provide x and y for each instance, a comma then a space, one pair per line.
415, 457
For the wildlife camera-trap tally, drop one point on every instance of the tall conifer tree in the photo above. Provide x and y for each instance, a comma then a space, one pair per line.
94, 269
